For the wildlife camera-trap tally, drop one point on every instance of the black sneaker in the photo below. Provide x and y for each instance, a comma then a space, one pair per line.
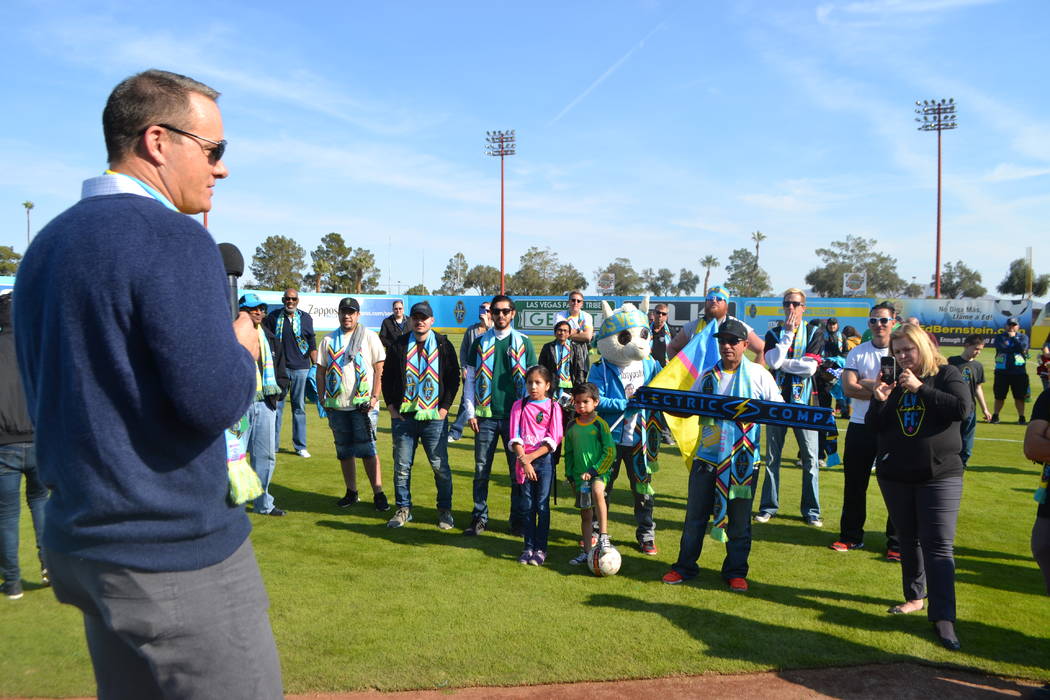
1021, 420
995, 418
348, 500
12, 589
380, 502
276, 512
476, 528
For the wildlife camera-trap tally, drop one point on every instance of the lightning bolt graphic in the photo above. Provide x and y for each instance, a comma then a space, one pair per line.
740, 409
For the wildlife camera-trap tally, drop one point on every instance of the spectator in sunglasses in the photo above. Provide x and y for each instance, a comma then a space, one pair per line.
581, 331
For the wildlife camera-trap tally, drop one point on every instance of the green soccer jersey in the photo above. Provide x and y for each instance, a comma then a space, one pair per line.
588, 447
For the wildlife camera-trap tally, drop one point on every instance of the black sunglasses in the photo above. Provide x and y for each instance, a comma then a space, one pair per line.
501, 311
661, 313
214, 154
289, 298
793, 304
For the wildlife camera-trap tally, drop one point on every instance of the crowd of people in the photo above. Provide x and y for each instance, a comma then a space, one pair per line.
133, 449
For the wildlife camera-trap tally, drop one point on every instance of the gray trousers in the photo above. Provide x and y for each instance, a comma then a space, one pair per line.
178, 634
924, 516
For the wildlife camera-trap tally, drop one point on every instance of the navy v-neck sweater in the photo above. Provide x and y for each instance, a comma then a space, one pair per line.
132, 372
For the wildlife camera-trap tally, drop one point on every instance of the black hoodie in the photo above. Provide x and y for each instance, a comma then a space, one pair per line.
15, 425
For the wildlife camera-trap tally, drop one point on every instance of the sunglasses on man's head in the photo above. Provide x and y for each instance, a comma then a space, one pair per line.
880, 321
502, 311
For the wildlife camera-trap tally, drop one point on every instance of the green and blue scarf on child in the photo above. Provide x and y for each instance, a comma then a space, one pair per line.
422, 372
486, 364
730, 446
297, 329
562, 356
339, 357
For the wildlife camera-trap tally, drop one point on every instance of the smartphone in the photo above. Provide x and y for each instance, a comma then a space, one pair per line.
888, 370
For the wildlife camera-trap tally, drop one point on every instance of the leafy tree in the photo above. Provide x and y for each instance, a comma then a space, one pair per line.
541, 273
914, 291
278, 263
8, 260
757, 237
627, 280
855, 254
687, 281
744, 277
959, 281
707, 262
1016, 281
659, 282
483, 278
418, 290
339, 268
453, 280
362, 271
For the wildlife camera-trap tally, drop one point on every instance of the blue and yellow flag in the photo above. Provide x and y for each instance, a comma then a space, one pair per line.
682, 373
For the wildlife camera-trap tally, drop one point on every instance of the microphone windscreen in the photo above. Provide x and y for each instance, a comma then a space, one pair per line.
232, 259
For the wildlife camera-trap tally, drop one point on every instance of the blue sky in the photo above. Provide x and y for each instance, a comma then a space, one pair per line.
658, 131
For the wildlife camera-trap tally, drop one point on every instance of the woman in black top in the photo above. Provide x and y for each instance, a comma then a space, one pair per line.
916, 419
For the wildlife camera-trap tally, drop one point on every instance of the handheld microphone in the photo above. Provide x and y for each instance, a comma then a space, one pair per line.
233, 261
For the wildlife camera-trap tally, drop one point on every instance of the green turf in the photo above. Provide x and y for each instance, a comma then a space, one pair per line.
356, 605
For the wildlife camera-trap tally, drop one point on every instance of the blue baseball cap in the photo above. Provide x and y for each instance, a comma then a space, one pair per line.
250, 301
718, 293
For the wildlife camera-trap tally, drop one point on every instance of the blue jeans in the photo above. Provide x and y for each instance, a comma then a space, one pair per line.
807, 446
645, 530
456, 431
968, 428
16, 460
297, 393
262, 446
535, 501
433, 435
490, 431
698, 511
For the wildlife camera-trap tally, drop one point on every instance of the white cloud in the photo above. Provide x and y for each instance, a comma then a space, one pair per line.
1009, 171
876, 12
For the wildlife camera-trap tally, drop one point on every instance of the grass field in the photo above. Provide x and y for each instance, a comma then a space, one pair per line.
357, 605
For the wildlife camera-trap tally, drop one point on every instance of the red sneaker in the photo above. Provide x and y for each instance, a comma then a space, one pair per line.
648, 547
893, 555
672, 578
842, 546
738, 585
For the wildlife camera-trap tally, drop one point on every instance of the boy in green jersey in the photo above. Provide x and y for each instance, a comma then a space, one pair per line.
588, 451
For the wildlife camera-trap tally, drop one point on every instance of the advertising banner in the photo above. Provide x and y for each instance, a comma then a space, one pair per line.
951, 320
765, 313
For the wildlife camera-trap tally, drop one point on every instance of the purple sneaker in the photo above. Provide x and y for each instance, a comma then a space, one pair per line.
526, 557
538, 557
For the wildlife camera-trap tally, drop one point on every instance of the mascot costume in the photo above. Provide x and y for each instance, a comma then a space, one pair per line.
625, 365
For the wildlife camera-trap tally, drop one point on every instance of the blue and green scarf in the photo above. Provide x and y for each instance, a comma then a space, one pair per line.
339, 356
297, 329
730, 446
800, 386
562, 359
265, 379
422, 372
486, 363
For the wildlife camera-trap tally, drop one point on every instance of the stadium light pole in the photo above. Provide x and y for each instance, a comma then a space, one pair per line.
937, 115
501, 143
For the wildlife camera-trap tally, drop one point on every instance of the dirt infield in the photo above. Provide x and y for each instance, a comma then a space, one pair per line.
898, 681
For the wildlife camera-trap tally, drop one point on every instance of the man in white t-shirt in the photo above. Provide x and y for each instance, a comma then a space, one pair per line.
859, 377
581, 331
349, 365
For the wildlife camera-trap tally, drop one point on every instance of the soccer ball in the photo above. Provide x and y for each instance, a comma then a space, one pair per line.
603, 561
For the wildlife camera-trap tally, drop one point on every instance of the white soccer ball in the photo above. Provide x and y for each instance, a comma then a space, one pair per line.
604, 561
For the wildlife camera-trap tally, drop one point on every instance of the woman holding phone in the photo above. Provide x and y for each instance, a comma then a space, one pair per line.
916, 420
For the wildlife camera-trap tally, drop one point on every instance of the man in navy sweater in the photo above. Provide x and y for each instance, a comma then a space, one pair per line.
130, 422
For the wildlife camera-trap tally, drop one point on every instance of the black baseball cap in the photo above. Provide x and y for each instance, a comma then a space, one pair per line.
349, 304
733, 330
422, 308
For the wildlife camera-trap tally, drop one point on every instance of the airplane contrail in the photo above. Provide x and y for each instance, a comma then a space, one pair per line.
612, 69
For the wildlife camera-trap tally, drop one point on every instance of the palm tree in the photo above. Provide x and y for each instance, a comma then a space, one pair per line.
29, 206
707, 262
757, 237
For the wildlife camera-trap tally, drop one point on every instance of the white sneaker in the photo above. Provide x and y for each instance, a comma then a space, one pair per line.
303, 453
762, 517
